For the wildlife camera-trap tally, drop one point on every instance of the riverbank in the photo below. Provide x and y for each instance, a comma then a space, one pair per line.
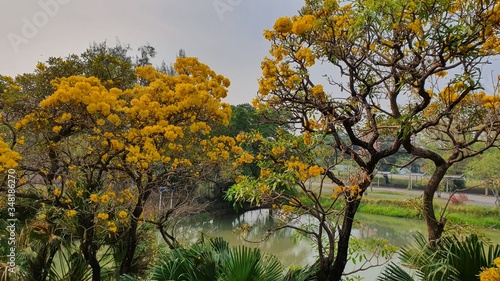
477, 210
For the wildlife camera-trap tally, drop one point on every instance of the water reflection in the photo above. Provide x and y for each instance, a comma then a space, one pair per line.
397, 231
284, 244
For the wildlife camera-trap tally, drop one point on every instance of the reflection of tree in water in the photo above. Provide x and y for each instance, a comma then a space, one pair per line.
395, 233
280, 244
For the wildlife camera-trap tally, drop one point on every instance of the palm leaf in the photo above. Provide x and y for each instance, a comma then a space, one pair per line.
453, 258
393, 272
308, 273
247, 264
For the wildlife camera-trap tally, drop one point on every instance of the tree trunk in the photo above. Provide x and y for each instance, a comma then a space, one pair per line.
126, 265
43, 262
335, 272
89, 248
435, 227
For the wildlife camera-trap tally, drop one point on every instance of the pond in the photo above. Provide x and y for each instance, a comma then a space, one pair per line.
292, 251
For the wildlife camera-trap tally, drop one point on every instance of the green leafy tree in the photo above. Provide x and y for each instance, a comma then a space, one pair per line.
485, 169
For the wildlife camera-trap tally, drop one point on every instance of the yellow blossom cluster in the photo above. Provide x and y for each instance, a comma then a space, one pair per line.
450, 93
94, 198
71, 213
352, 192
122, 214
104, 198
492, 273
315, 171
278, 150
57, 192
303, 170
283, 25
491, 101
8, 158
102, 216
318, 93
306, 56
112, 227
303, 24
245, 158
264, 173
220, 148
127, 193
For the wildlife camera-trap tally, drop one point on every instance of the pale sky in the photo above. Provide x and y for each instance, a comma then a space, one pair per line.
224, 34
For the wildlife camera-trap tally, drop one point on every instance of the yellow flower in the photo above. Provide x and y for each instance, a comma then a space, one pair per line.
112, 227
237, 149
306, 55
57, 192
41, 66
66, 116
113, 118
264, 173
102, 216
42, 216
56, 129
315, 171
278, 150
70, 213
490, 274
263, 187
94, 198
105, 198
79, 193
441, 74
68, 200
245, 158
497, 262
283, 25
339, 189
303, 24
100, 122
122, 214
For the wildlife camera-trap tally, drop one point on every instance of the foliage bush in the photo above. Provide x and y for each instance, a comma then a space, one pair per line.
453, 258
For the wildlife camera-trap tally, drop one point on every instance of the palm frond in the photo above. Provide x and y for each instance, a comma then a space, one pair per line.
453, 258
393, 272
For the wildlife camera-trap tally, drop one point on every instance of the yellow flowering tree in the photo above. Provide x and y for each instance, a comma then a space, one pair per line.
293, 181
95, 153
385, 66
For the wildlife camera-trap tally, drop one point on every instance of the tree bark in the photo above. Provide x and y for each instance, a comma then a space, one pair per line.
126, 264
435, 227
89, 248
335, 271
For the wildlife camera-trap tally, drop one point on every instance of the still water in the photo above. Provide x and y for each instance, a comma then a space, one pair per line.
286, 245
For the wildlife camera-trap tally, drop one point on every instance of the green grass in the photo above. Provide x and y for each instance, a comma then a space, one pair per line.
462, 215
388, 210
389, 207
465, 215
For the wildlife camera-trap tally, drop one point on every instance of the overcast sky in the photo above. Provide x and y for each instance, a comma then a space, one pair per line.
224, 34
